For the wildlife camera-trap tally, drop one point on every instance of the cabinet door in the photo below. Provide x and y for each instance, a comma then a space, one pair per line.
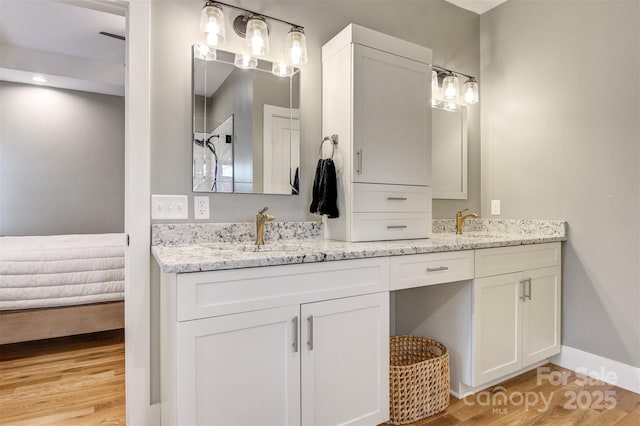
345, 361
391, 118
541, 314
241, 369
497, 320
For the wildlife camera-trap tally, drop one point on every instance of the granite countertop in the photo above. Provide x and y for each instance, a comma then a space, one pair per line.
195, 253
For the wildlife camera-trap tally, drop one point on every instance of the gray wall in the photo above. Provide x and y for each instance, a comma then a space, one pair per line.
560, 136
61, 161
451, 32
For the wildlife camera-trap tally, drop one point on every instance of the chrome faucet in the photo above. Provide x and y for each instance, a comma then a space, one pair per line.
261, 218
460, 219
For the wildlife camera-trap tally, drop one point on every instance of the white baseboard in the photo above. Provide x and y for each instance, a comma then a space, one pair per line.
613, 372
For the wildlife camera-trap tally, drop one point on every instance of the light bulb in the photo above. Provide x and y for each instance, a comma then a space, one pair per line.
450, 87
296, 46
470, 91
281, 69
245, 61
257, 36
212, 24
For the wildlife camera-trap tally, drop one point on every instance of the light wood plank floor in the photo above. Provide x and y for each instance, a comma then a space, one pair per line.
80, 380
69, 380
571, 400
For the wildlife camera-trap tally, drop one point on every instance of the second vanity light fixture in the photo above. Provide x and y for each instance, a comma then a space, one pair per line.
253, 27
449, 92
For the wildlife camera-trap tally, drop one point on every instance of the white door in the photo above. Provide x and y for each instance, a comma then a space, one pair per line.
497, 319
392, 119
541, 315
345, 361
241, 369
281, 149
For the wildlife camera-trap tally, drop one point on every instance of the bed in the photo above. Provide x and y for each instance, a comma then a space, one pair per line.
60, 285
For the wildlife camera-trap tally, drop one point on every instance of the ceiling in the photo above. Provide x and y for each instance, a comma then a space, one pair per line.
477, 6
66, 48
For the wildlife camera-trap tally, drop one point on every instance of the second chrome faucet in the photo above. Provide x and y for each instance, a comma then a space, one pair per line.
460, 219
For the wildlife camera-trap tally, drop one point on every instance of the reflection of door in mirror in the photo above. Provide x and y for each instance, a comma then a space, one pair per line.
281, 150
213, 159
449, 155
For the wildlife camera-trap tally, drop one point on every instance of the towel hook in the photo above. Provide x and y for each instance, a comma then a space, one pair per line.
334, 142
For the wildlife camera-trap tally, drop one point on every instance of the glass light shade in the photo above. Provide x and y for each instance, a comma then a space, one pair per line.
295, 47
212, 24
281, 69
245, 61
470, 91
257, 38
435, 87
450, 88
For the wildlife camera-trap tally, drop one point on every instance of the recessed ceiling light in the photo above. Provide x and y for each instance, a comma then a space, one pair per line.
39, 79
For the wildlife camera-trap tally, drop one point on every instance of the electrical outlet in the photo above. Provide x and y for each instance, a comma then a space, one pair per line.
201, 207
169, 207
495, 207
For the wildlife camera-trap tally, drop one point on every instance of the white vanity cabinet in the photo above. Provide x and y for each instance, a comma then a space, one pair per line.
286, 345
377, 98
516, 310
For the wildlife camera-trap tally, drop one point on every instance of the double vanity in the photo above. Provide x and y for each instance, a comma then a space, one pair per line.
296, 331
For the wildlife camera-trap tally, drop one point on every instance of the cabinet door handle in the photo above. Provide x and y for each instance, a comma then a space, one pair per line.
396, 226
397, 198
439, 268
295, 334
528, 280
310, 341
359, 166
523, 294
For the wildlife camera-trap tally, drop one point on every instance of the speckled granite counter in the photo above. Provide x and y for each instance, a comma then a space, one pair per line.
187, 247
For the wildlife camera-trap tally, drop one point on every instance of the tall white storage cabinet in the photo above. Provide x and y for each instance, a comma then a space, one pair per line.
377, 98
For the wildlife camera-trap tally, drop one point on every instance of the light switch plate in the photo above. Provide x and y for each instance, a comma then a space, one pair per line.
169, 207
495, 207
201, 207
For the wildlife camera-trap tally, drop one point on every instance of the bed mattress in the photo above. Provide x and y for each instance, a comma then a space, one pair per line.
61, 270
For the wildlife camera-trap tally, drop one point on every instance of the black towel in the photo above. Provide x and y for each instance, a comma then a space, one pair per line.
325, 190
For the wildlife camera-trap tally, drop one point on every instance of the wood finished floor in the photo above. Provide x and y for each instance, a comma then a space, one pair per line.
80, 381
75, 380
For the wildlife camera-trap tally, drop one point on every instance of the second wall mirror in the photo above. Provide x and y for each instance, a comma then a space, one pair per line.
246, 125
449, 155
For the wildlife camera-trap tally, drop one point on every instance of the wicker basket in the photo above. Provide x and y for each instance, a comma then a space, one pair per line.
418, 378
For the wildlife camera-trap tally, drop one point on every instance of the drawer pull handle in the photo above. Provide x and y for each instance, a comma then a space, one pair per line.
397, 198
439, 268
523, 296
396, 226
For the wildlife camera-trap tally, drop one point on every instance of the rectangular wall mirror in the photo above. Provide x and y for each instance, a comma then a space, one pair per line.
449, 145
246, 126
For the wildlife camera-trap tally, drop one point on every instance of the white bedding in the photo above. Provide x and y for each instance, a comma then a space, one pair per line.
61, 270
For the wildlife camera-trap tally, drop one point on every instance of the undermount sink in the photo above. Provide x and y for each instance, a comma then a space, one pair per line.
252, 247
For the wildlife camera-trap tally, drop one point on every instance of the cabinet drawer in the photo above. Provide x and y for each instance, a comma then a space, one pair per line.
503, 260
374, 198
390, 226
208, 294
429, 269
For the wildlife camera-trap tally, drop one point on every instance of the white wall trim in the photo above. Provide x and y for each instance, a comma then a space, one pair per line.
613, 372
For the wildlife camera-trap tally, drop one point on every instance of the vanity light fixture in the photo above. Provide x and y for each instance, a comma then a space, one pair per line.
252, 26
449, 92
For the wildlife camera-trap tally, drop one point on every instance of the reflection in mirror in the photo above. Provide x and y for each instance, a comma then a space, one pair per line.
449, 145
246, 126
